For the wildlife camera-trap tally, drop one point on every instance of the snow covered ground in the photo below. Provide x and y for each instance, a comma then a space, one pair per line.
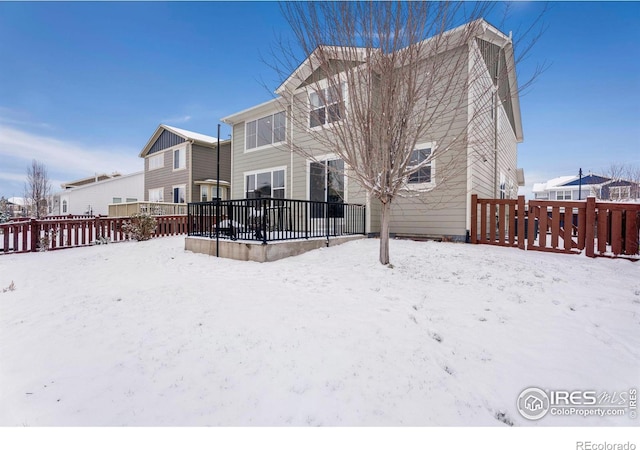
148, 334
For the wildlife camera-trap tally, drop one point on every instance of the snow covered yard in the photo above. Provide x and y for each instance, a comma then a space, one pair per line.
148, 334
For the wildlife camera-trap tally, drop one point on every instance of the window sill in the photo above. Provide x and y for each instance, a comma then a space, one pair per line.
277, 145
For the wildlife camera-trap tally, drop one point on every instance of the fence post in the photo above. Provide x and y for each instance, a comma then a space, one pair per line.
521, 220
35, 234
264, 222
590, 227
474, 218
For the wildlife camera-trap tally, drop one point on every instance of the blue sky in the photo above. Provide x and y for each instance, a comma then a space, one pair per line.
84, 85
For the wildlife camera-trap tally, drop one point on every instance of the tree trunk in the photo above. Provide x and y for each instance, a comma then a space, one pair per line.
385, 217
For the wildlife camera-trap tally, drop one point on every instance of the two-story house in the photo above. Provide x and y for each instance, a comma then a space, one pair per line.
267, 140
181, 166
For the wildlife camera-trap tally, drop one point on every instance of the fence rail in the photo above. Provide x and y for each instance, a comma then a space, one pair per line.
598, 228
51, 233
269, 219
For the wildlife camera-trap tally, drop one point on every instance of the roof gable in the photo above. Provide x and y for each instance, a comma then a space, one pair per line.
166, 136
589, 179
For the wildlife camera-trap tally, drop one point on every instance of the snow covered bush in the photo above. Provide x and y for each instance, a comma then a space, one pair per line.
140, 227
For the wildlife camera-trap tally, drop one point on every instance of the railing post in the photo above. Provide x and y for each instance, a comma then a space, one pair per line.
263, 225
326, 215
35, 234
590, 227
520, 215
474, 218
364, 219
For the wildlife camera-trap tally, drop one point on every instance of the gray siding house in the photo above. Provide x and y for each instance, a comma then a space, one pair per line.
180, 166
482, 159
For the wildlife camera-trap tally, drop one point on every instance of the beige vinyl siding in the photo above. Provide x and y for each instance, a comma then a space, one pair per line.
441, 211
205, 165
264, 158
166, 177
482, 153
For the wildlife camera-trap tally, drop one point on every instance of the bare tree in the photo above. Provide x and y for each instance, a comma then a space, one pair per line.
385, 76
625, 183
37, 189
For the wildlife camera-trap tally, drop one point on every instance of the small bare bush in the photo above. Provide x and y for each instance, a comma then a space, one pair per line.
140, 227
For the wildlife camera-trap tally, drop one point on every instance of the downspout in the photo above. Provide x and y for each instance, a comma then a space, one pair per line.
495, 120
291, 148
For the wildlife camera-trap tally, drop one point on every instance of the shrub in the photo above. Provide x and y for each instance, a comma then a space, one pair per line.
140, 227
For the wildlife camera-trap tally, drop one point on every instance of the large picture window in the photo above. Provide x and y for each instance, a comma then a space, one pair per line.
265, 184
266, 130
326, 106
422, 175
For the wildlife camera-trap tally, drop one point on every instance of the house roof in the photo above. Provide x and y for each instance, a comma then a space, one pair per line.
184, 134
245, 113
102, 181
89, 180
554, 182
589, 179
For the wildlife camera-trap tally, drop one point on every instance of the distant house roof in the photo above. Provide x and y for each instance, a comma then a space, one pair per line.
184, 134
89, 180
554, 182
589, 179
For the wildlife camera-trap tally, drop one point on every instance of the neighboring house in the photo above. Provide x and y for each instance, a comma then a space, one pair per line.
264, 163
576, 188
17, 207
92, 195
180, 166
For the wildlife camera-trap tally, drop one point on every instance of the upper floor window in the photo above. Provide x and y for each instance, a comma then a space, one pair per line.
266, 130
179, 158
326, 105
156, 161
423, 174
563, 195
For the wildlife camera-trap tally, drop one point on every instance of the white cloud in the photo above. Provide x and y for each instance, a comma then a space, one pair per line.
20, 147
182, 119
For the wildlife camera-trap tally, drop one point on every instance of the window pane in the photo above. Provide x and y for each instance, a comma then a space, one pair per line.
334, 112
315, 100
251, 134
251, 186
279, 127
278, 179
335, 181
204, 193
117, 200
316, 117
265, 130
423, 175
263, 181
278, 193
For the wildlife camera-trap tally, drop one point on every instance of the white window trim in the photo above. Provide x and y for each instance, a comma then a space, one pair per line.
319, 85
173, 157
208, 196
273, 144
431, 184
270, 170
157, 156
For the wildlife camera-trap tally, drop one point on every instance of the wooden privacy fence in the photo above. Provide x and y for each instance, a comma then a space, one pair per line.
598, 228
37, 234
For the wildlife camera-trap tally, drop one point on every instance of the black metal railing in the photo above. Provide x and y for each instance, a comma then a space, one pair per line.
271, 219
